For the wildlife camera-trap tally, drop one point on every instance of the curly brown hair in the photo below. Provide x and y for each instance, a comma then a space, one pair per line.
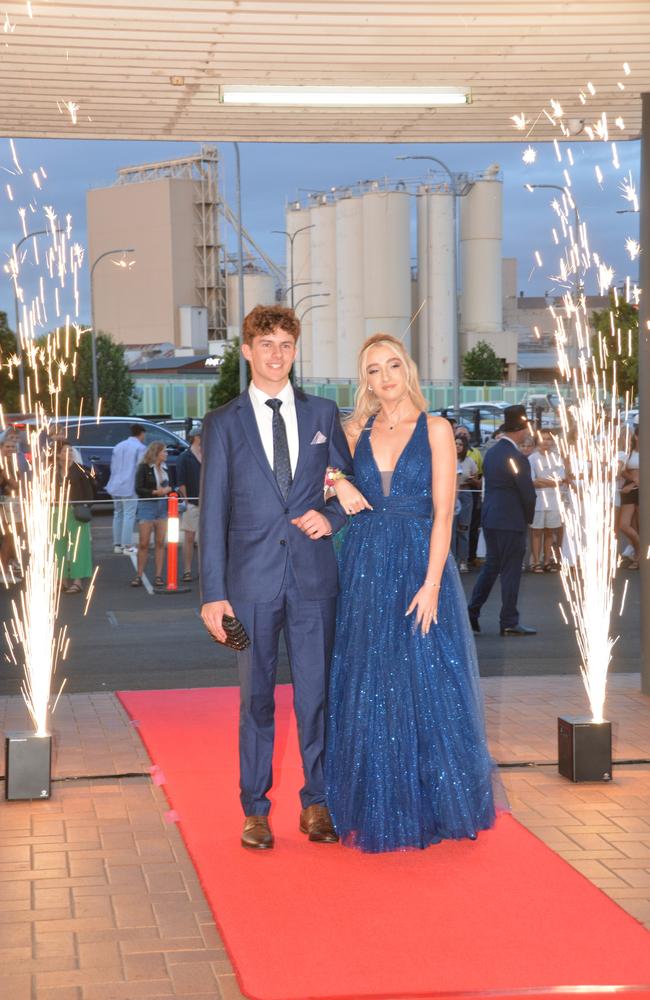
264, 319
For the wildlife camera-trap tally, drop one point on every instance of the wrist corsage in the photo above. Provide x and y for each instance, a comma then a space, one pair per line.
332, 476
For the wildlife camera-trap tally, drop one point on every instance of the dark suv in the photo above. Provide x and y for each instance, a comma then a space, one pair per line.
95, 442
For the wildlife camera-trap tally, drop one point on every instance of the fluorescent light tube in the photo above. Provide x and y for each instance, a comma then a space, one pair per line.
351, 97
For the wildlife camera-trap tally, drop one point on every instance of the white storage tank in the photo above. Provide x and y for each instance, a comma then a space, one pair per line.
441, 284
480, 250
297, 218
387, 263
323, 277
259, 290
420, 330
349, 285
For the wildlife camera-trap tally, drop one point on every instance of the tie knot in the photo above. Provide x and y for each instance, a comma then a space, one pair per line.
275, 404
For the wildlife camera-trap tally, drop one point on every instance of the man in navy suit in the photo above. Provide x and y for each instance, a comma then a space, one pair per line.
267, 558
508, 509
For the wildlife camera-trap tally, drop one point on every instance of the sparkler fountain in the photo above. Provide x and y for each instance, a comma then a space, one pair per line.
36, 518
590, 431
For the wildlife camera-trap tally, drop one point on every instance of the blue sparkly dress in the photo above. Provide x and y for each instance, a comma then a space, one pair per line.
407, 763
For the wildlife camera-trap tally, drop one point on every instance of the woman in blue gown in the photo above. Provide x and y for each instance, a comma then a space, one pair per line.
407, 763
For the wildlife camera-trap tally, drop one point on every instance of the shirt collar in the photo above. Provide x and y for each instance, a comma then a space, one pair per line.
504, 437
260, 397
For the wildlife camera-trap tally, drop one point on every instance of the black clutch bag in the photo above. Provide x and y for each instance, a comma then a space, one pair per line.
236, 636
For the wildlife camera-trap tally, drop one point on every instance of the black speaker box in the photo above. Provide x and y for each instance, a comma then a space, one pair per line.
28, 766
584, 749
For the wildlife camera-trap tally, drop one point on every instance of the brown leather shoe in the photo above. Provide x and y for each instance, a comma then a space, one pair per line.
257, 833
316, 822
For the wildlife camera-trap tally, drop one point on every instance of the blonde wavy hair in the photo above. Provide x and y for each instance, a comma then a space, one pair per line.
153, 451
365, 404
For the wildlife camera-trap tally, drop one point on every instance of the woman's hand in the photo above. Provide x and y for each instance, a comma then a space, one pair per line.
350, 498
425, 605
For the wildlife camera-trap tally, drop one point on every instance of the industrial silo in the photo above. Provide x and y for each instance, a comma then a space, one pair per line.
480, 249
349, 285
387, 263
420, 301
323, 277
437, 282
259, 290
298, 218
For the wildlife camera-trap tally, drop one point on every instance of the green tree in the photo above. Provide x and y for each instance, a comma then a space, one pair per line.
9, 390
481, 364
227, 385
625, 318
116, 387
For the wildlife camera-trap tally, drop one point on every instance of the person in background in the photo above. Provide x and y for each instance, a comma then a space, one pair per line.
474, 452
125, 459
468, 480
508, 509
188, 482
527, 448
152, 487
630, 497
10, 512
73, 545
546, 470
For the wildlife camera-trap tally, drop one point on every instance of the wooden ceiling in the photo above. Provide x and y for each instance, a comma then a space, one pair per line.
152, 69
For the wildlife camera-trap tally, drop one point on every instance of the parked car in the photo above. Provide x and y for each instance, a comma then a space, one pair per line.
461, 420
181, 428
95, 442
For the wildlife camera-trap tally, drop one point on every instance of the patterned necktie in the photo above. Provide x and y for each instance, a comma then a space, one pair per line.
281, 458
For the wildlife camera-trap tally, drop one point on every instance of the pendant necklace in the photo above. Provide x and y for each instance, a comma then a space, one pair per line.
395, 422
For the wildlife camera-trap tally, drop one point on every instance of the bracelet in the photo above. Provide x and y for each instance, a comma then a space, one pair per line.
428, 583
332, 476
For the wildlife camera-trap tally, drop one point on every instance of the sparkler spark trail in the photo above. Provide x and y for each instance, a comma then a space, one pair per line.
33, 638
591, 423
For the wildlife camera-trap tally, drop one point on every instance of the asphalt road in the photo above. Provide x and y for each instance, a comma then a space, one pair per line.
131, 639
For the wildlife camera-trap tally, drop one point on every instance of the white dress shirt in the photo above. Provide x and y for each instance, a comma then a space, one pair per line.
124, 461
264, 419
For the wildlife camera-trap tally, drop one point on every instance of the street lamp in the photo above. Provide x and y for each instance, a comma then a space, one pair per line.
313, 295
243, 373
291, 237
93, 332
19, 348
570, 200
318, 305
455, 191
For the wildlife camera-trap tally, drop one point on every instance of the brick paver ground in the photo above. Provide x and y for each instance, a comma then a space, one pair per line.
99, 900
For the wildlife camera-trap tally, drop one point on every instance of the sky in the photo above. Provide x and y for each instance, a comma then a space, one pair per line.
273, 174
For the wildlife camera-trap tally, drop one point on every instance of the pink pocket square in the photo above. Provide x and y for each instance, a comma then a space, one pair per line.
319, 438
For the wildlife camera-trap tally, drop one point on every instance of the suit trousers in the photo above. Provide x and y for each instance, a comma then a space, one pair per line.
309, 634
504, 556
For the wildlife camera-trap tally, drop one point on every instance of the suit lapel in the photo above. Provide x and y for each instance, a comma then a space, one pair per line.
304, 417
252, 434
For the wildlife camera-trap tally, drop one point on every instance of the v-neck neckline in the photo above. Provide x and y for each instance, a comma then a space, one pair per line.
400, 456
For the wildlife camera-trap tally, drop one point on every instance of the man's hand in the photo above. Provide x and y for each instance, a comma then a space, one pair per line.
212, 615
314, 524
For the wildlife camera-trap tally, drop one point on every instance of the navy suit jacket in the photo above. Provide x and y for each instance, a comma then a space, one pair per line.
245, 530
509, 502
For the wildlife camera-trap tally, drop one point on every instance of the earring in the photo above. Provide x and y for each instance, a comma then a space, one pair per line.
369, 388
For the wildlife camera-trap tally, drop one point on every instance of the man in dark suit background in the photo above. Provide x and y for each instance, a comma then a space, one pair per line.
266, 554
508, 509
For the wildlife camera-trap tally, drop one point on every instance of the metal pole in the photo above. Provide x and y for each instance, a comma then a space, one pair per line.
93, 334
455, 346
243, 375
19, 349
644, 391
93, 344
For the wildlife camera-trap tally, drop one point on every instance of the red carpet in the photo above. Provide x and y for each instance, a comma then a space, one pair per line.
503, 914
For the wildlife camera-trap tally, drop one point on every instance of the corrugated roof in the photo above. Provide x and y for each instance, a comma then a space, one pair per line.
152, 69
